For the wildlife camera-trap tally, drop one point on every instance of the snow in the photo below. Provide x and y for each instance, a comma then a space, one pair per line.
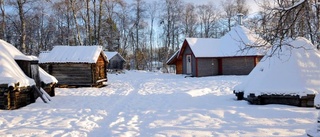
10, 72
204, 47
72, 54
14, 52
237, 41
46, 78
140, 103
43, 54
234, 43
110, 54
292, 71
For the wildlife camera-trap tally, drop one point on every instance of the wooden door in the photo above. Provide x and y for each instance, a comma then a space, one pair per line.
189, 64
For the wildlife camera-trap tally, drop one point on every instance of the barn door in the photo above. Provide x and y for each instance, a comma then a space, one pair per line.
189, 68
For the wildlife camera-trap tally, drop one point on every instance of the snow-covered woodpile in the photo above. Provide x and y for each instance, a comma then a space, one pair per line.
290, 76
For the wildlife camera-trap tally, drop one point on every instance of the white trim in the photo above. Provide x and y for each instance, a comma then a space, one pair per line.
189, 64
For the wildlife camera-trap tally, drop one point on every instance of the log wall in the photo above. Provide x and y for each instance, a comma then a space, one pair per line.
72, 74
15, 98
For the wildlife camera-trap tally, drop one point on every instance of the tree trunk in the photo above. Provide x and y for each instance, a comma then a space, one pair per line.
74, 13
94, 23
22, 26
3, 23
99, 22
88, 23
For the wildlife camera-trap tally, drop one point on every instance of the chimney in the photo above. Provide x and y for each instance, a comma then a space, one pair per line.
240, 15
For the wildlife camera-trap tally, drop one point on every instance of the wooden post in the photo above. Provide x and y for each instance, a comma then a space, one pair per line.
40, 93
10, 89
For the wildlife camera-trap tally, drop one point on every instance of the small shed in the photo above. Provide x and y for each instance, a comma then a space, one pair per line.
116, 61
76, 65
16, 88
229, 55
291, 76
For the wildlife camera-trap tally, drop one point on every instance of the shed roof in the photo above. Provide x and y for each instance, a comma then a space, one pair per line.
111, 54
294, 71
46, 78
172, 60
234, 43
72, 54
10, 72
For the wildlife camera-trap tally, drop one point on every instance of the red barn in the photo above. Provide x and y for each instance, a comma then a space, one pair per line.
228, 55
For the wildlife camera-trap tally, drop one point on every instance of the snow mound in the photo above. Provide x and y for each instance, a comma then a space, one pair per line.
10, 72
294, 70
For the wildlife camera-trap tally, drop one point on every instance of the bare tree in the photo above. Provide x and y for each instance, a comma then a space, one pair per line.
61, 12
88, 22
291, 19
229, 11
152, 10
74, 8
109, 29
208, 18
242, 7
189, 20
123, 20
232, 8
23, 34
139, 10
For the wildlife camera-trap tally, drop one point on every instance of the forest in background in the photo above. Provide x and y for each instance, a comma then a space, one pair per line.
145, 31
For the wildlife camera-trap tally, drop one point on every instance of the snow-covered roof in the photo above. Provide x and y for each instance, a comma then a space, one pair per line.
233, 43
46, 78
171, 60
292, 71
43, 54
110, 54
72, 54
10, 72
14, 52
204, 47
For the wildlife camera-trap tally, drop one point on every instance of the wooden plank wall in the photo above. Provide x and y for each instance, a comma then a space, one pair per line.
116, 63
72, 74
14, 99
179, 67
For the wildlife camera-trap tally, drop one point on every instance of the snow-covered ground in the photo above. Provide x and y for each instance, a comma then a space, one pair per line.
154, 104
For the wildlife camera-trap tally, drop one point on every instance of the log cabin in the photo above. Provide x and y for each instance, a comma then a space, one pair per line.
76, 65
116, 61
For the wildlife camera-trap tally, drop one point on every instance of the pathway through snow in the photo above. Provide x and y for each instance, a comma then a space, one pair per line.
155, 104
